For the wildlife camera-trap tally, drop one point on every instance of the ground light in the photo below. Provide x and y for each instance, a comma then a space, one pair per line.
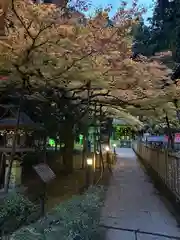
107, 148
89, 162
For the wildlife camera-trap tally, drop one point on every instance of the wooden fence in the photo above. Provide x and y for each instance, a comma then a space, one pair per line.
166, 165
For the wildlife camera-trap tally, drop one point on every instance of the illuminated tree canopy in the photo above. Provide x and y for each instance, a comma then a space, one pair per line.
46, 50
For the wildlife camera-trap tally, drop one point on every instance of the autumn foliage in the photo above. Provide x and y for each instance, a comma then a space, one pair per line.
80, 66
48, 46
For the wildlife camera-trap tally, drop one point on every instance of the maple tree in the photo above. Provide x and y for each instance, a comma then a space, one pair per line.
43, 46
46, 50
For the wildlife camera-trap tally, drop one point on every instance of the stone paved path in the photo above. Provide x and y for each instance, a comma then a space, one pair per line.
132, 202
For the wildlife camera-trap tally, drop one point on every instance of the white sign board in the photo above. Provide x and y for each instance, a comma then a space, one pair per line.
44, 172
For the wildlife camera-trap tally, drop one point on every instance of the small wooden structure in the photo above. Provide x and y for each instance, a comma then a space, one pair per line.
26, 141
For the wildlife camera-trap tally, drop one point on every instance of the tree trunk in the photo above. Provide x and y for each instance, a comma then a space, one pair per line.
13, 151
2, 170
109, 130
94, 137
175, 101
100, 152
170, 135
101, 157
56, 143
84, 151
99, 140
68, 148
95, 147
44, 150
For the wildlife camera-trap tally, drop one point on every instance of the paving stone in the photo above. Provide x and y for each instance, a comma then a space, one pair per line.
119, 235
133, 202
149, 237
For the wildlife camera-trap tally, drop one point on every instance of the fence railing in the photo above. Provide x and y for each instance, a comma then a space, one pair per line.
166, 166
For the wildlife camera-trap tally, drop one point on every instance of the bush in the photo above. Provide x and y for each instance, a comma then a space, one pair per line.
76, 219
15, 210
